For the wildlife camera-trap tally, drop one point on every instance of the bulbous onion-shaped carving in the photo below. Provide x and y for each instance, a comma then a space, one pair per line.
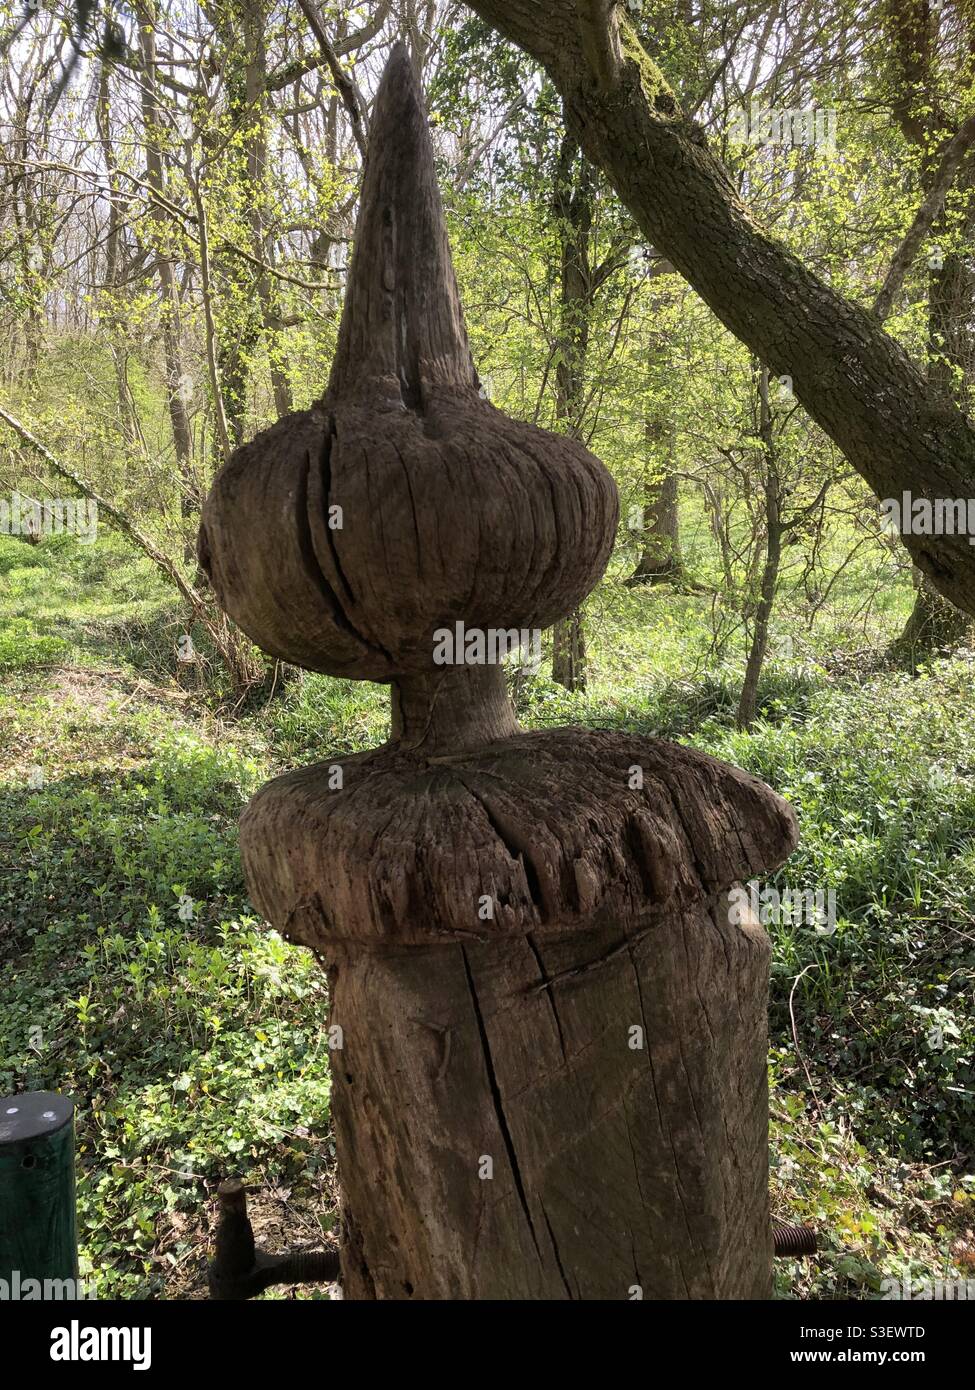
345, 536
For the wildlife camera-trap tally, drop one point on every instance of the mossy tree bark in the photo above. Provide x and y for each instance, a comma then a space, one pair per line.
935, 624
572, 207
660, 560
896, 429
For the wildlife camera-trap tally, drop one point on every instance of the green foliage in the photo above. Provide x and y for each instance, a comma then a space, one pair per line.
136, 979
881, 779
21, 646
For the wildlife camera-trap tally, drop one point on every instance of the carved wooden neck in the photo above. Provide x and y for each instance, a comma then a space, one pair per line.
452, 709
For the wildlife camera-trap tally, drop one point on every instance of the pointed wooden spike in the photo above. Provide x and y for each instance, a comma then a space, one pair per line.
403, 326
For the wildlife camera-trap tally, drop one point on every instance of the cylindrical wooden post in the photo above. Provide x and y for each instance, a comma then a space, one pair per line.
38, 1235
552, 1074
549, 1072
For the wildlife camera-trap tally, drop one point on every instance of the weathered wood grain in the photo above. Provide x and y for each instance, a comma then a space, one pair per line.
449, 509
511, 1037
552, 1074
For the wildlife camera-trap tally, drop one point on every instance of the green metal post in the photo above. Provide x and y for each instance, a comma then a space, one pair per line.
38, 1230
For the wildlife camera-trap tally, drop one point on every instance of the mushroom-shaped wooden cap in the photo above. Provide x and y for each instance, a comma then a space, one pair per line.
345, 536
547, 825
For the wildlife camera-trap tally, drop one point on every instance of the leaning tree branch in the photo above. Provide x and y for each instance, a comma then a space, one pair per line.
898, 431
347, 89
127, 527
297, 69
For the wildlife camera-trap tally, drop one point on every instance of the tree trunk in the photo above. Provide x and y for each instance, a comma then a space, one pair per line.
175, 371
569, 652
660, 557
128, 419
854, 380
239, 325
935, 624
573, 210
748, 704
254, 20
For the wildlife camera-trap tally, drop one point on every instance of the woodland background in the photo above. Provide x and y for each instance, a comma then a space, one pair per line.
176, 211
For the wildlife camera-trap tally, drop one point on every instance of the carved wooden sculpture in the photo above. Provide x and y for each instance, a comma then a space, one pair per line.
552, 1082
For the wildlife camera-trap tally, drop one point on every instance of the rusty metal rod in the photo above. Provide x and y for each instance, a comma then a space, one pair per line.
793, 1240
239, 1270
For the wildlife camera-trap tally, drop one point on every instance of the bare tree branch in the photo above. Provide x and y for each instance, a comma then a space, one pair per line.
347, 89
955, 151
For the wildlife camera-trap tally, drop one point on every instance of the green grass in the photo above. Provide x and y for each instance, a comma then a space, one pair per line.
136, 978
73, 603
